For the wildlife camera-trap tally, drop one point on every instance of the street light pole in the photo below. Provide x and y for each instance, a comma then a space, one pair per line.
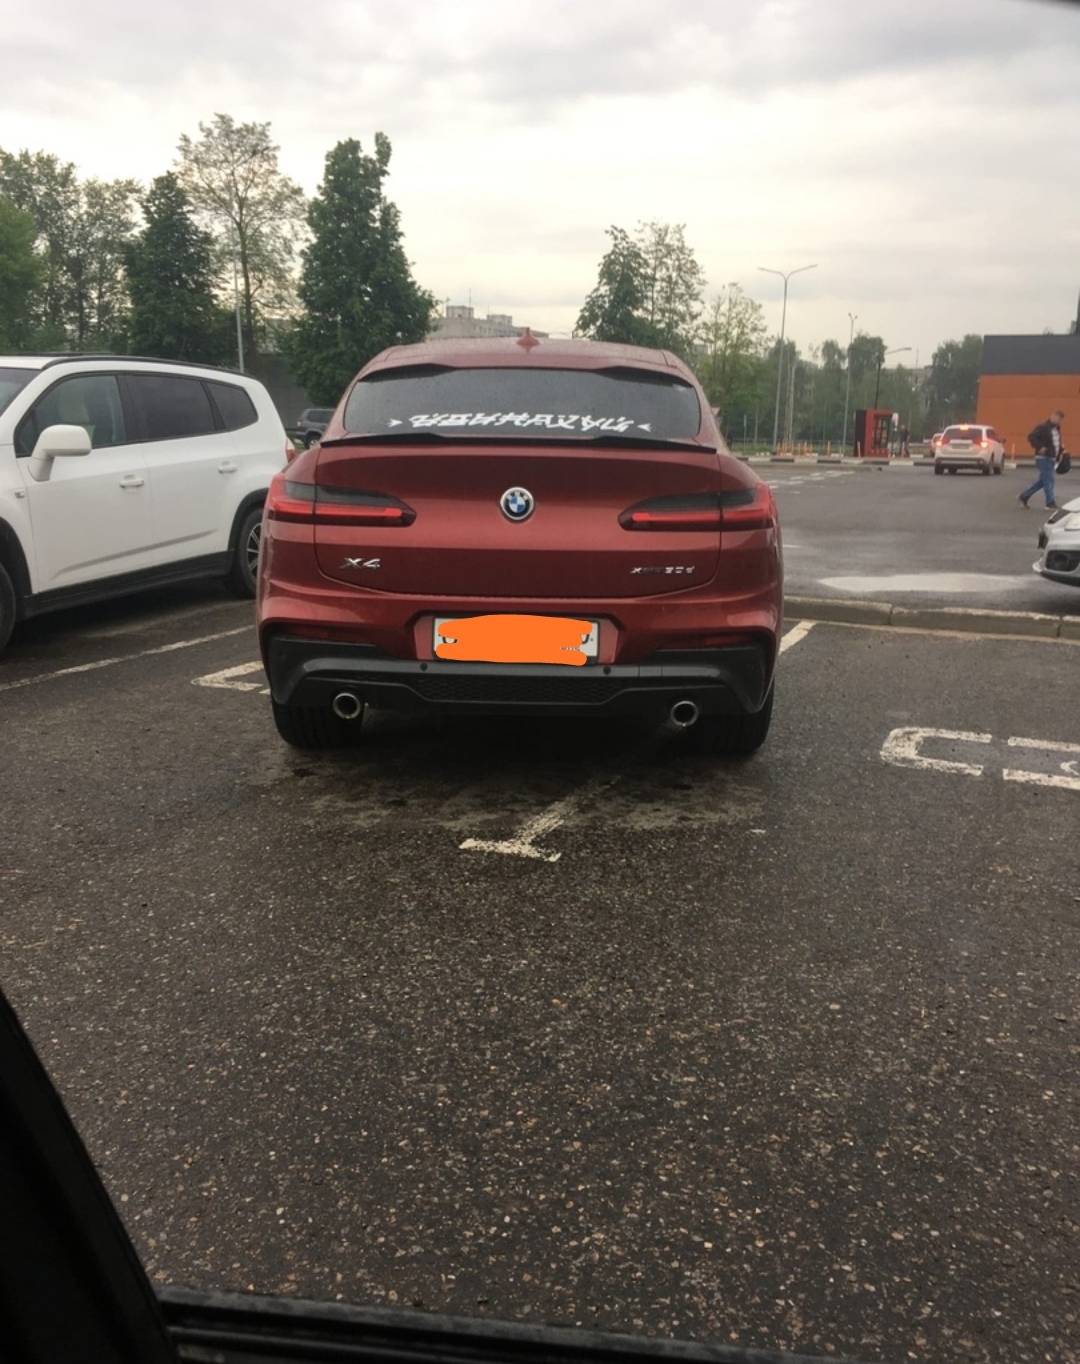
853, 318
780, 357
895, 351
235, 241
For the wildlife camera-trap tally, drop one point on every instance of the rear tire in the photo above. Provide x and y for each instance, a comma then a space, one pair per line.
987, 467
8, 606
316, 727
1000, 468
938, 469
732, 735
241, 579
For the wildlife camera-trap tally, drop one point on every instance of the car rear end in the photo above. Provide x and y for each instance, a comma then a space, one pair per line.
965, 447
520, 491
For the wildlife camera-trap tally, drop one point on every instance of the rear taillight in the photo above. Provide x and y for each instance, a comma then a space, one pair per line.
743, 509
315, 504
749, 508
984, 445
694, 511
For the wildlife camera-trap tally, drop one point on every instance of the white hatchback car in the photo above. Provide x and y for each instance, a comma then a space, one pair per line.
118, 474
1059, 546
969, 447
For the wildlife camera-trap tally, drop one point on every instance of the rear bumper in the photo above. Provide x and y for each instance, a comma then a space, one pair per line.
965, 461
731, 681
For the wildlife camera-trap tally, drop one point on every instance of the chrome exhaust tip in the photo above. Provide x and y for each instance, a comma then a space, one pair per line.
347, 706
684, 713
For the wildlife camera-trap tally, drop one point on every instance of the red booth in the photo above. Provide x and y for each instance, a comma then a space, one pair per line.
873, 431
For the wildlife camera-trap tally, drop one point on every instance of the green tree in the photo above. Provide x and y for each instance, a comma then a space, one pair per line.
82, 228
733, 338
356, 288
21, 273
255, 212
953, 385
174, 313
648, 292
616, 309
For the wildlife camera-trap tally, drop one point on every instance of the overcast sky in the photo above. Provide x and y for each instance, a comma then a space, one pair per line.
924, 154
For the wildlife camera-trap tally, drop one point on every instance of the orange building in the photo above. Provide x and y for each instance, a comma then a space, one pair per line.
1022, 380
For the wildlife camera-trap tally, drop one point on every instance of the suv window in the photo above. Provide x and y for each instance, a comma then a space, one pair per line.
552, 404
91, 401
963, 433
168, 406
234, 404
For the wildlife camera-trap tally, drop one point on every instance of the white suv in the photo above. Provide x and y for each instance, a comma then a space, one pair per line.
118, 474
965, 446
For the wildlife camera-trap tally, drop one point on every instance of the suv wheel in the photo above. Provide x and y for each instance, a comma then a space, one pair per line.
732, 735
316, 727
311, 438
7, 606
241, 578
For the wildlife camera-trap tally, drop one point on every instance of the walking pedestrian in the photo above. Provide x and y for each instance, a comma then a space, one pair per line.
902, 442
1046, 442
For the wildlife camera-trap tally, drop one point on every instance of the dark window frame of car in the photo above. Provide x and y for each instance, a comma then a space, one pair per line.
134, 429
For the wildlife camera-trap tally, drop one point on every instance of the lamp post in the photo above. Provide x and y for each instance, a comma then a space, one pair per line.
877, 385
780, 356
234, 236
853, 318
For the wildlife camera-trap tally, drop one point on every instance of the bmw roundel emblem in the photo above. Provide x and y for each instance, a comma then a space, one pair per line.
517, 504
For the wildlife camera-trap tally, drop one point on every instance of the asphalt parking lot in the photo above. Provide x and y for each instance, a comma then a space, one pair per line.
560, 1022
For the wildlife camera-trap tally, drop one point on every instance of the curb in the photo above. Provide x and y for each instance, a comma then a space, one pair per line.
961, 619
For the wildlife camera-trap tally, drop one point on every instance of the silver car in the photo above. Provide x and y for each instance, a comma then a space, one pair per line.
1059, 545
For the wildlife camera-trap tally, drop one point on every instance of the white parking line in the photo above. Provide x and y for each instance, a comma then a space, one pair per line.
903, 748
523, 843
227, 678
124, 658
1070, 782
796, 633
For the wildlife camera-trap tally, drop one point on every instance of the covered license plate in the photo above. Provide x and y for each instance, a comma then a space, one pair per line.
516, 639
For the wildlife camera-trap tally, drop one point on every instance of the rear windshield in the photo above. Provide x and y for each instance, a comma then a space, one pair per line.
963, 433
11, 381
554, 404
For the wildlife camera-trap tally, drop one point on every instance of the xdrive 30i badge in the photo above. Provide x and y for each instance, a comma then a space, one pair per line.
665, 568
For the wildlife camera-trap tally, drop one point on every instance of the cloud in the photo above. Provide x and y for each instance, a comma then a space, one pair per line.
923, 153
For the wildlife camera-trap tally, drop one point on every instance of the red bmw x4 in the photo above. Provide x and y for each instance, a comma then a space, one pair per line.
521, 527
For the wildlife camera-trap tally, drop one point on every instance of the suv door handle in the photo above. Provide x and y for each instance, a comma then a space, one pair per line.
132, 481
227, 466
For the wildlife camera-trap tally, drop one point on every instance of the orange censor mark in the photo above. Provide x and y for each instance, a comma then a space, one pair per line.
514, 639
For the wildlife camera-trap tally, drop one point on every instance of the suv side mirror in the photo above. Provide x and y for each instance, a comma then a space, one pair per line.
53, 442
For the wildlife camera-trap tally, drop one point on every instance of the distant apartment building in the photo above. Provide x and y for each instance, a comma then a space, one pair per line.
459, 322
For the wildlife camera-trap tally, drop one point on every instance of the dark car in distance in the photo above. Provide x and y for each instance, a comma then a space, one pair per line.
312, 423
523, 528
